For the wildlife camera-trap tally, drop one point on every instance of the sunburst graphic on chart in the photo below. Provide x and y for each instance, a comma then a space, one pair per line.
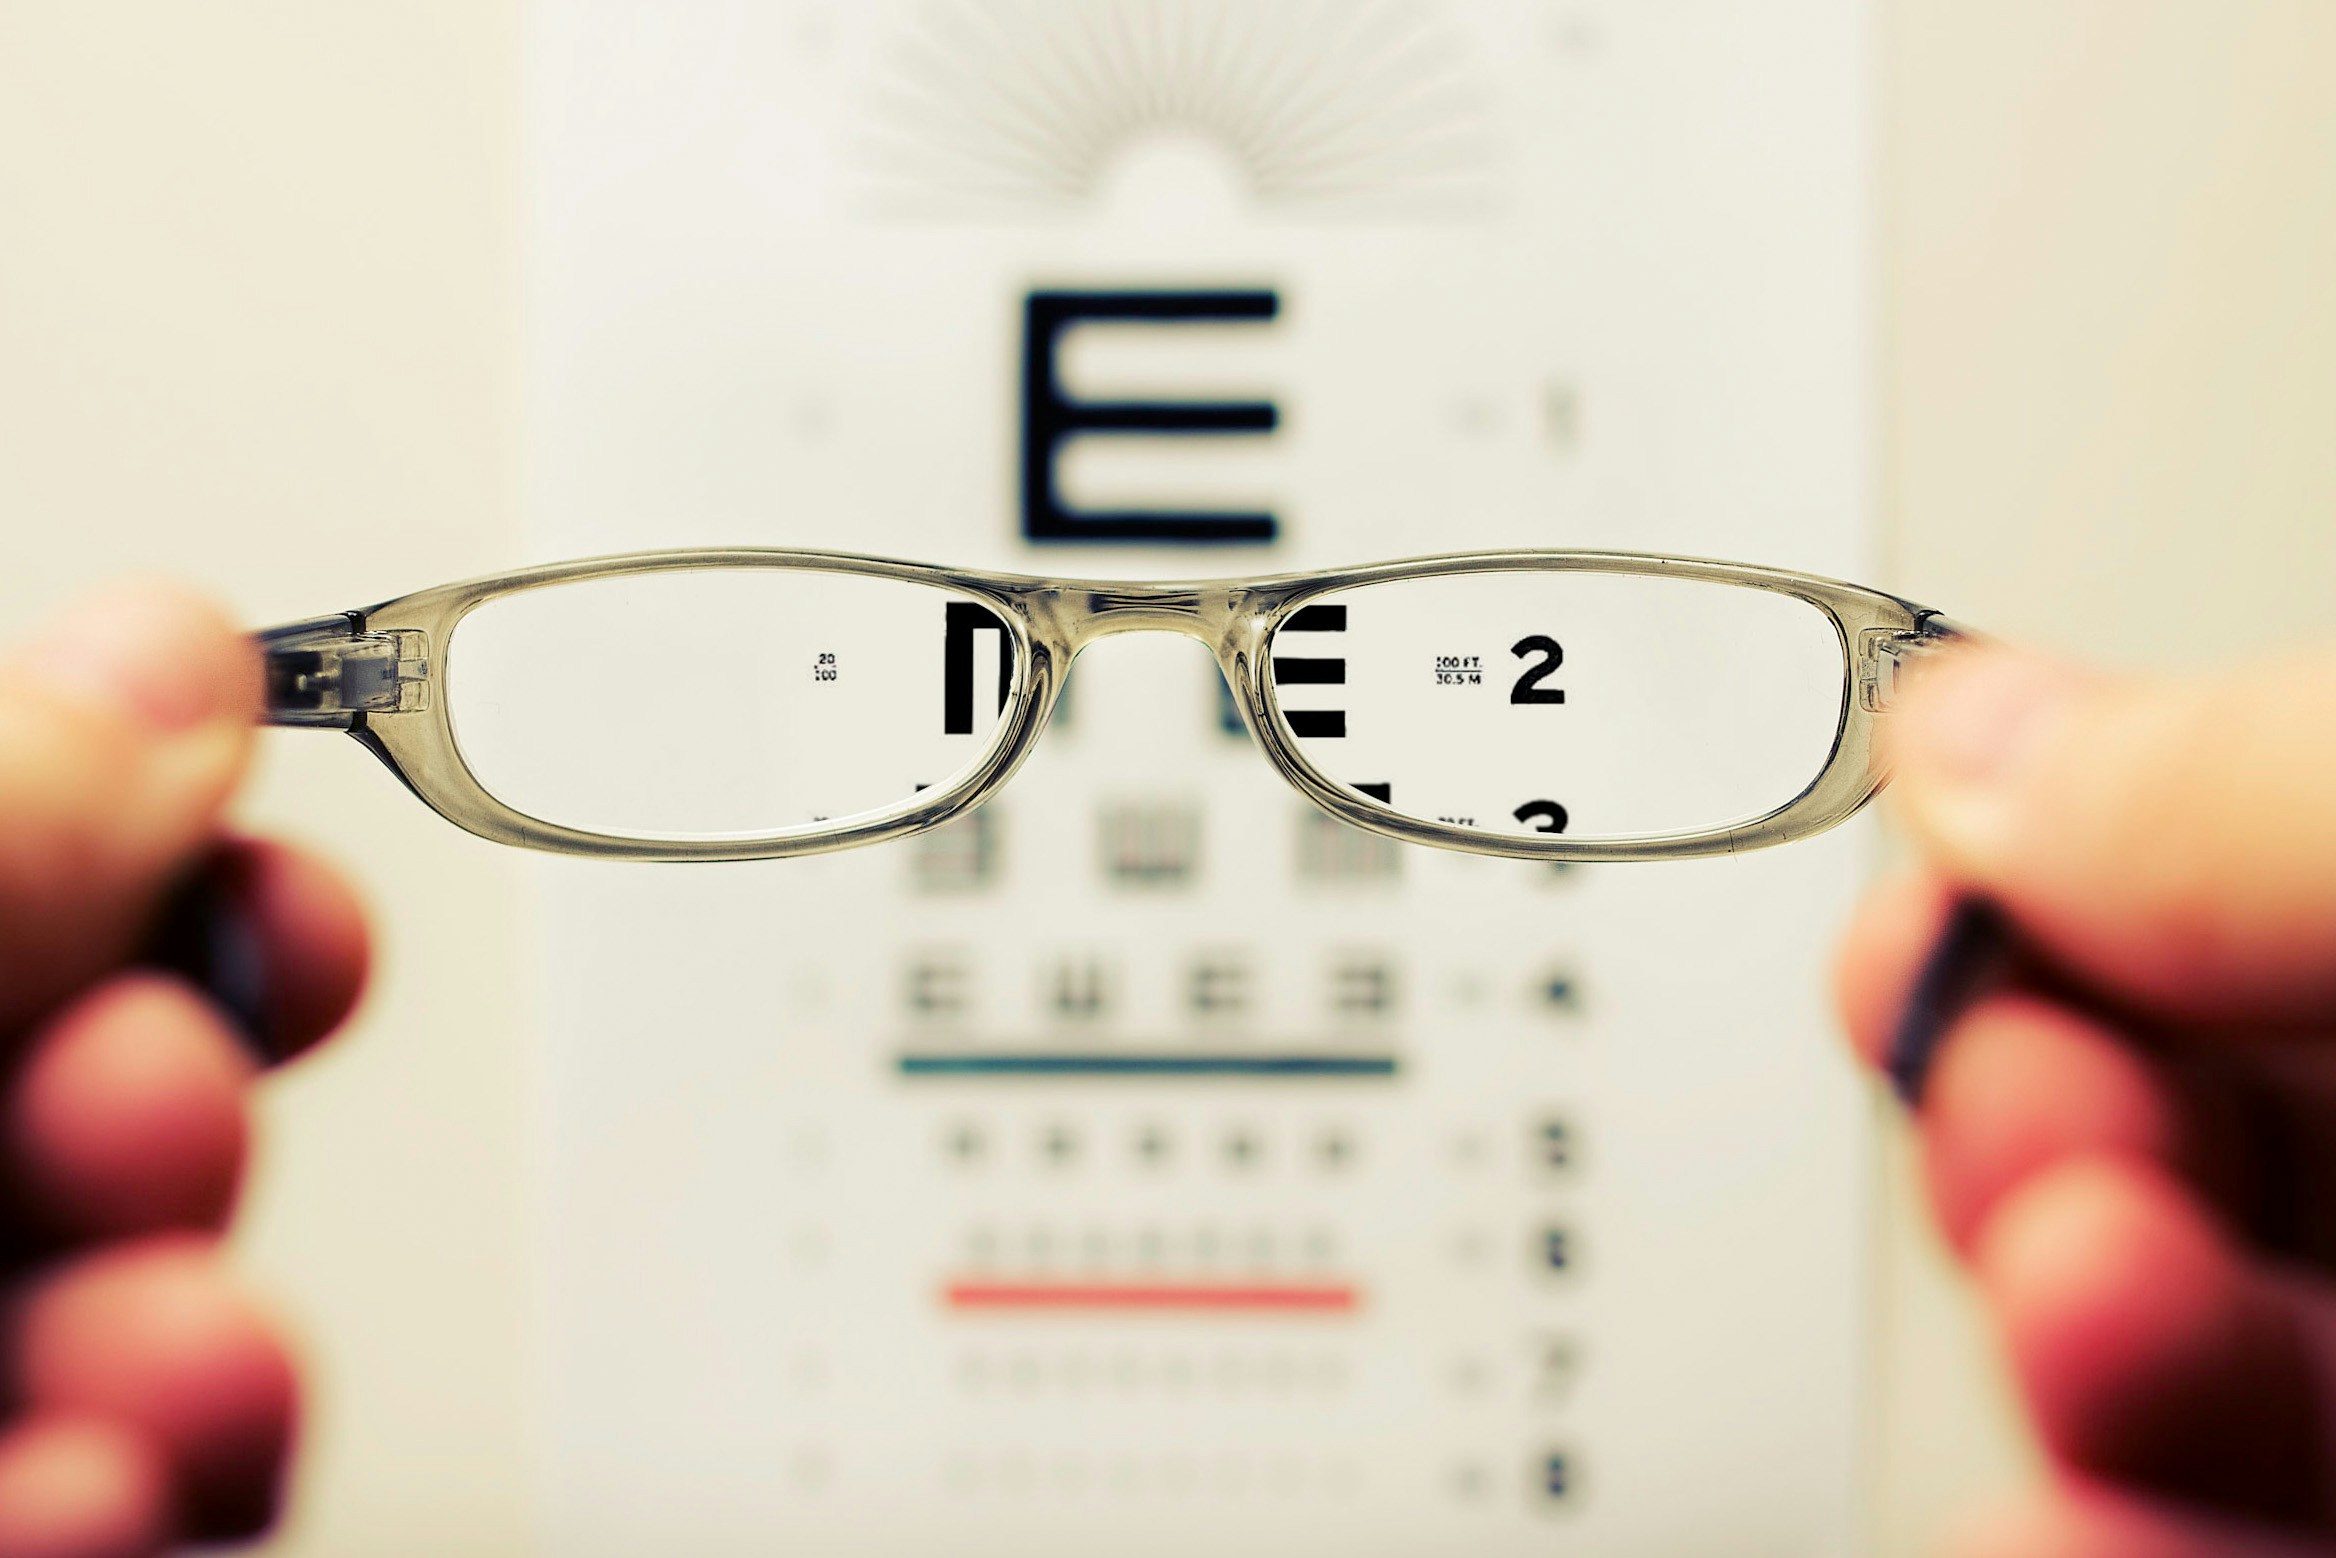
1006, 108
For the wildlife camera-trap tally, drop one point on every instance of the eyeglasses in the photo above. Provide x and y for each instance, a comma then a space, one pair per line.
737, 705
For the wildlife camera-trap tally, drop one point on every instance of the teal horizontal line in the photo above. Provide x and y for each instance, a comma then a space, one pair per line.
1051, 1063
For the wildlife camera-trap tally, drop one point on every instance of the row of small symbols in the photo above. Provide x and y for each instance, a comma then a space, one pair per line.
1230, 1474
1148, 846
1151, 1148
1202, 1249
1167, 1374
1548, 1370
941, 985
1156, 846
1551, 1479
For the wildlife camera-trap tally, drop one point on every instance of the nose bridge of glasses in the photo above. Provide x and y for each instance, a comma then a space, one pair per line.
1078, 614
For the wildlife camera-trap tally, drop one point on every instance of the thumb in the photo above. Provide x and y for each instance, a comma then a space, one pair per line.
123, 726
2169, 840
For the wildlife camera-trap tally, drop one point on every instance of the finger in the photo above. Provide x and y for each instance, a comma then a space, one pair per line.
2026, 1082
81, 1487
2150, 1354
2030, 1083
126, 1115
122, 728
318, 948
2093, 1522
158, 1337
270, 934
1886, 942
2170, 842
2023, 1085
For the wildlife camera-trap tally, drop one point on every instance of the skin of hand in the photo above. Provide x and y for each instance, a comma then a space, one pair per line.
2131, 1141
150, 1400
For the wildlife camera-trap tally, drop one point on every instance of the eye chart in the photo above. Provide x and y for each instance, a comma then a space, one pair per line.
1146, 1163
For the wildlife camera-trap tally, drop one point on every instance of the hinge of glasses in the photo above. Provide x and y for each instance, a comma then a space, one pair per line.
326, 672
1886, 655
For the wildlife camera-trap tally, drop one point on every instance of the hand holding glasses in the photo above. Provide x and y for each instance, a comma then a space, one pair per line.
750, 704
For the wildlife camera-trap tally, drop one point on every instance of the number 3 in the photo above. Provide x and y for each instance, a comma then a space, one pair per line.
1529, 688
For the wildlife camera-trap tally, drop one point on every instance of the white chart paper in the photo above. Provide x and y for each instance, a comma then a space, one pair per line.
1564, 1254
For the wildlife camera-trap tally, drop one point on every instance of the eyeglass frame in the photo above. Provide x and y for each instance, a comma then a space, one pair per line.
377, 674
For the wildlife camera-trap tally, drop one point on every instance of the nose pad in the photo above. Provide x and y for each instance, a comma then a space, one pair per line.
1063, 716
1152, 781
1150, 694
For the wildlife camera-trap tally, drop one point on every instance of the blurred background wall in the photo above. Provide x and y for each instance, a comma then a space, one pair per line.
257, 328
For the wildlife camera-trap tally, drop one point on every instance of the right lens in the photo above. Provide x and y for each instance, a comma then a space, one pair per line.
725, 702
1597, 705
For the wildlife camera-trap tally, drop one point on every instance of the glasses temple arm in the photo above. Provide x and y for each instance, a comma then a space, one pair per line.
1935, 630
328, 672
1888, 655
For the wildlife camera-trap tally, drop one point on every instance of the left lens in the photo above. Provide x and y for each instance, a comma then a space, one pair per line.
712, 703
1597, 705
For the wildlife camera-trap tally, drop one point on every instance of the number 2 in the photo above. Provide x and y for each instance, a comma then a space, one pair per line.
1529, 688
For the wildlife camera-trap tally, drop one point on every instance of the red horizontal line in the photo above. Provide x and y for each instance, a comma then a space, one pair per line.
1275, 1297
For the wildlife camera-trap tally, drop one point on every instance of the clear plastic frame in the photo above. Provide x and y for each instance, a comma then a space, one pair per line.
755, 704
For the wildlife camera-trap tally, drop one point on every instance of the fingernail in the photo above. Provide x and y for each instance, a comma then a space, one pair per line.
149, 651
1963, 741
205, 934
1968, 960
